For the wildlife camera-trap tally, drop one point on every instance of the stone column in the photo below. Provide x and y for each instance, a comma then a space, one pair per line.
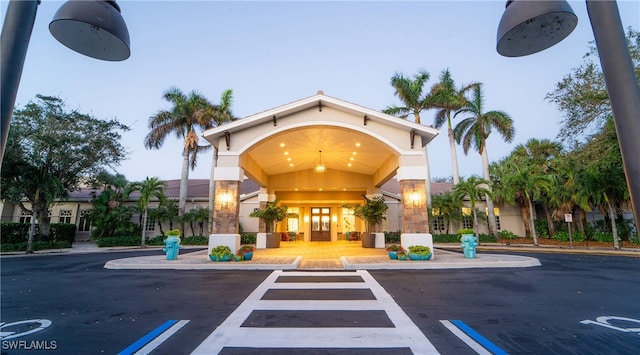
226, 207
414, 211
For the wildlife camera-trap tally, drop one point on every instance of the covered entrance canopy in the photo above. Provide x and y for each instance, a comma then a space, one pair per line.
360, 149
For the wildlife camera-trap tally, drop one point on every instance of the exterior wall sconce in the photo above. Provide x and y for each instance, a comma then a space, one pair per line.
415, 198
334, 219
226, 200
306, 219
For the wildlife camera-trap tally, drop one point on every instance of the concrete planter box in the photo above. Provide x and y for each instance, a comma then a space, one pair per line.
261, 241
409, 239
230, 240
380, 241
273, 240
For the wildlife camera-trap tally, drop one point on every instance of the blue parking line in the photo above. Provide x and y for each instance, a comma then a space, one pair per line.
479, 338
147, 338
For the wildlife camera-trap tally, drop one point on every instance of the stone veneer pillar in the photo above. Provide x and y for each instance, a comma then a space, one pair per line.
226, 207
415, 218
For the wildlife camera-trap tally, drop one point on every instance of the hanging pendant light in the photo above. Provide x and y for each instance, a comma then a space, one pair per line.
320, 167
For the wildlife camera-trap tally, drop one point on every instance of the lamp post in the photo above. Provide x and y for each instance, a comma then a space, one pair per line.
528, 27
94, 28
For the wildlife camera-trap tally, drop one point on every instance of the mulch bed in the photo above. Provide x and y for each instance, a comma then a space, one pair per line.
553, 242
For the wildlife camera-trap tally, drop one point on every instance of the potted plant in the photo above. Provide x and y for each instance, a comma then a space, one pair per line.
419, 252
221, 253
373, 213
246, 252
393, 250
468, 242
271, 214
402, 254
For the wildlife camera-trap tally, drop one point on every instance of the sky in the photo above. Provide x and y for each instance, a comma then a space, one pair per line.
274, 53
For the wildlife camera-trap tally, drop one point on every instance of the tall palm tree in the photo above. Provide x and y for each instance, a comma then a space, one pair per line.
447, 99
472, 188
214, 116
411, 92
474, 131
148, 188
183, 121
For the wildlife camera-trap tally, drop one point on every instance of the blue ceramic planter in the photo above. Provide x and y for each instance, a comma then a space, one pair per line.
393, 255
224, 258
419, 256
248, 256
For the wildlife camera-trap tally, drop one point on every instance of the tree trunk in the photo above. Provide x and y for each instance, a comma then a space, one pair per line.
454, 154
580, 221
532, 224
485, 174
524, 212
550, 226
32, 229
184, 183
212, 187
614, 228
143, 226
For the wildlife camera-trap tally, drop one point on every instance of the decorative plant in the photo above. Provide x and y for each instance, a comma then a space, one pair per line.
402, 255
173, 233
245, 249
372, 212
419, 249
466, 231
395, 247
221, 251
271, 214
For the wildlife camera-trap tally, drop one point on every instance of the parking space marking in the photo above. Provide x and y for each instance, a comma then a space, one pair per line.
162, 333
476, 339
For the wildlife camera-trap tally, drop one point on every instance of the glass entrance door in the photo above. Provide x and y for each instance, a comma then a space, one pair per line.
320, 224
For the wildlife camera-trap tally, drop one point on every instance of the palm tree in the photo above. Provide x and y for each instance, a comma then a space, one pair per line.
475, 129
214, 116
167, 210
148, 188
410, 93
541, 155
531, 185
447, 206
181, 120
472, 188
447, 99
415, 101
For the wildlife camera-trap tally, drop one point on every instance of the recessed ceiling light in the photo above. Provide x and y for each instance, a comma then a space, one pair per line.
282, 145
291, 164
349, 164
357, 144
320, 189
288, 159
286, 153
352, 158
296, 189
354, 153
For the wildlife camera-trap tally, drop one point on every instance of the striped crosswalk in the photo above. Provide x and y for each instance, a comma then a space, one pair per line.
318, 310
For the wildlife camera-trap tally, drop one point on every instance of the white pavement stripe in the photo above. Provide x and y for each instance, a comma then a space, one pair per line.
354, 305
323, 285
152, 345
230, 333
465, 338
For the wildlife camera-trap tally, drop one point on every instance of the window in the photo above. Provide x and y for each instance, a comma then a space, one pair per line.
64, 216
25, 217
293, 222
348, 220
84, 224
467, 218
496, 212
437, 223
150, 226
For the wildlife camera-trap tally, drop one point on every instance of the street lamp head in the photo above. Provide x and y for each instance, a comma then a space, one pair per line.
530, 26
94, 28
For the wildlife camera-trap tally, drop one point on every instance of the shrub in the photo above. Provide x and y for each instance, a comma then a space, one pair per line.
604, 237
542, 228
12, 232
122, 241
247, 238
446, 238
485, 238
465, 231
505, 234
62, 232
195, 240
221, 251
392, 237
37, 245
563, 236
158, 240
394, 247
